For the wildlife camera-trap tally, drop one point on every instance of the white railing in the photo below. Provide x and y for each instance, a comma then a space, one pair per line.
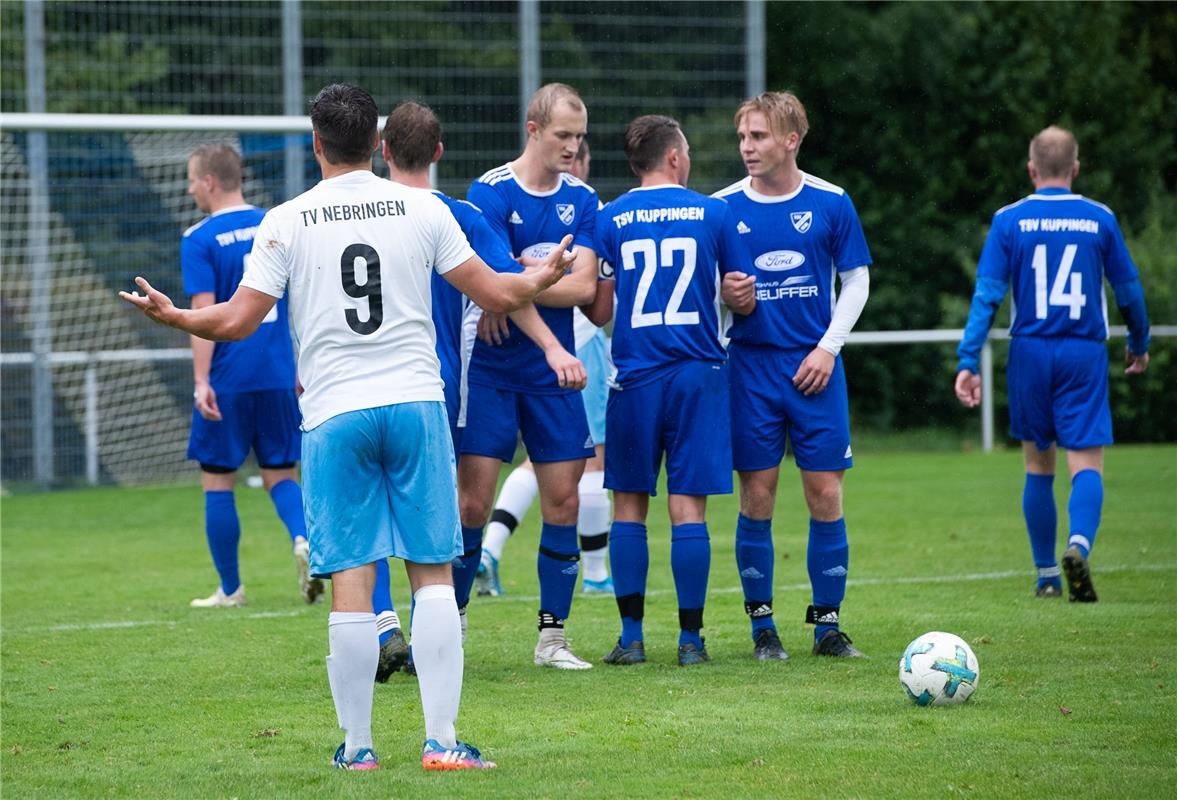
91, 360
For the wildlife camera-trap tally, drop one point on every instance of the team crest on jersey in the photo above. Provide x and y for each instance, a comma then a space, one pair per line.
802, 220
566, 212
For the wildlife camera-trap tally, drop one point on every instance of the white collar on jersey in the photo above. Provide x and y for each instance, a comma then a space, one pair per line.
231, 209
533, 192
659, 186
772, 198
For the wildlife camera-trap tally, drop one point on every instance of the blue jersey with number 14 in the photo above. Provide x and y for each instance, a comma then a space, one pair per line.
668, 247
1054, 248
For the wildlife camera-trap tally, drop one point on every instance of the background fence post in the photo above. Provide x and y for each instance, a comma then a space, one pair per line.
529, 58
39, 266
292, 94
987, 397
91, 420
754, 47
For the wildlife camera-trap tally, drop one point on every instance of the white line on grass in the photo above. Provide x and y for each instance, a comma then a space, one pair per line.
227, 614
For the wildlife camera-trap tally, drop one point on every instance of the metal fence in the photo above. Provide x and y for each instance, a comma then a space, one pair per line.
83, 208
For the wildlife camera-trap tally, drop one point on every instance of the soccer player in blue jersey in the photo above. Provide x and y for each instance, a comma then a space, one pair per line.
786, 375
668, 247
531, 203
519, 488
244, 391
411, 142
1054, 248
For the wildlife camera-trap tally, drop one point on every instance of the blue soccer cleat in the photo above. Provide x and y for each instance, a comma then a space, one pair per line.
624, 655
598, 587
486, 579
435, 756
365, 759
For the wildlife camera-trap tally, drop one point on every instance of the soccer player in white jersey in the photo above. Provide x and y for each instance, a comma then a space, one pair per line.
787, 377
533, 202
668, 247
1058, 360
354, 255
519, 488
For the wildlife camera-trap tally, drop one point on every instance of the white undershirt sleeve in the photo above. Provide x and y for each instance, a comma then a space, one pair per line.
851, 300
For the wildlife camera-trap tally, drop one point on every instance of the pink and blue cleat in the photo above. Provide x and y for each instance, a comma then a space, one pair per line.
364, 759
435, 756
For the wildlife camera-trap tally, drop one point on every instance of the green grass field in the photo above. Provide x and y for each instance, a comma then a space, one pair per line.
113, 687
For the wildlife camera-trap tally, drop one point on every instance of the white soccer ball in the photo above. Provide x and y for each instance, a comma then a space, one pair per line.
939, 669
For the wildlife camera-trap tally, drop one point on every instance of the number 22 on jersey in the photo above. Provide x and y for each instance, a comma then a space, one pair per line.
1074, 299
653, 257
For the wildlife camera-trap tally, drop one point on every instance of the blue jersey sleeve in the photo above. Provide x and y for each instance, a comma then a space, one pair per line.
733, 255
992, 284
849, 242
1117, 263
585, 230
494, 209
197, 266
489, 246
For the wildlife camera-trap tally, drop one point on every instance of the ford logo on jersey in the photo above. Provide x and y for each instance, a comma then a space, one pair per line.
539, 250
780, 260
566, 212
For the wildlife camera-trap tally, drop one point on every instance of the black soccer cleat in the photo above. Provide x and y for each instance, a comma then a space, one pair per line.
1078, 576
393, 655
623, 656
769, 647
689, 655
836, 644
1048, 590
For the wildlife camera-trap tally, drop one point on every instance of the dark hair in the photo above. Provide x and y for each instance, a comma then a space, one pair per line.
412, 133
221, 161
345, 118
648, 139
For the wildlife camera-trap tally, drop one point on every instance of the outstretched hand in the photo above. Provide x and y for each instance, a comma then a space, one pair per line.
556, 264
1134, 364
154, 303
968, 388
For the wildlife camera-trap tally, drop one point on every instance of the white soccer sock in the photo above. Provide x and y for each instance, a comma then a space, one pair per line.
592, 521
516, 496
437, 653
351, 671
386, 621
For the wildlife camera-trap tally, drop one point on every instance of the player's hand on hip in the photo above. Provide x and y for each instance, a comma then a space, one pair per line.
968, 388
492, 328
154, 303
738, 291
1134, 364
205, 400
813, 375
568, 368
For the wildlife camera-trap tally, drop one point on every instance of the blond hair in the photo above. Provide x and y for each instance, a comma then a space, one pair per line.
543, 102
219, 160
783, 110
1053, 152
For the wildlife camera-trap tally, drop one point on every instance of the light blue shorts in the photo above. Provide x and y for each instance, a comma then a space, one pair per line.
597, 366
380, 482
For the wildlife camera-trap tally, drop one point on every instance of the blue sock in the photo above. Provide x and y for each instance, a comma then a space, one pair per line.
690, 561
754, 559
557, 564
629, 555
287, 498
1084, 509
223, 530
1041, 522
466, 565
828, 559
382, 594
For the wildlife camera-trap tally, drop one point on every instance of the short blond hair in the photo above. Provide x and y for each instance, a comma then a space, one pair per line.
784, 112
1053, 152
221, 161
543, 102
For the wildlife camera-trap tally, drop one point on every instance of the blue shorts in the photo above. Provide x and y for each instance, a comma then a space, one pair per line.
1058, 392
684, 413
265, 421
381, 482
767, 410
554, 427
595, 356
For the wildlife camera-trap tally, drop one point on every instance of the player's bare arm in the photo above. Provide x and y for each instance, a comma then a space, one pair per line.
578, 287
503, 293
230, 321
738, 292
600, 311
204, 397
568, 368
